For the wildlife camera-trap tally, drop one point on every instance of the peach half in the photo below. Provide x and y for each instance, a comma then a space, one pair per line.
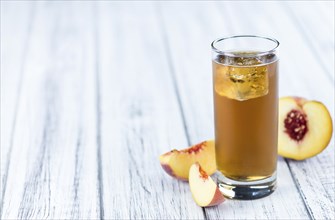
204, 190
305, 128
177, 163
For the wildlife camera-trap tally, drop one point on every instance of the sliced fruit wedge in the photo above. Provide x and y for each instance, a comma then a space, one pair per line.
204, 190
177, 163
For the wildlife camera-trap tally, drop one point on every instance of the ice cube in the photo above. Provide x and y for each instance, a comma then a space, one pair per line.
240, 60
241, 83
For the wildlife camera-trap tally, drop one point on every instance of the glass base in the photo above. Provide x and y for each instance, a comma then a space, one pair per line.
233, 189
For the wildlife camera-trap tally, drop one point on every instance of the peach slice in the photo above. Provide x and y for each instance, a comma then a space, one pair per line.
204, 190
177, 163
305, 128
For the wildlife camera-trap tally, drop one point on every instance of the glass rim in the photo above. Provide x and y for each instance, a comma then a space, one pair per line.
230, 54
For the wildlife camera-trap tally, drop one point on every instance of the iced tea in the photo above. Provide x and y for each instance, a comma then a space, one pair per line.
245, 109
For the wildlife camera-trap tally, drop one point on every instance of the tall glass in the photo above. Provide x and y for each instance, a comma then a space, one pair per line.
245, 87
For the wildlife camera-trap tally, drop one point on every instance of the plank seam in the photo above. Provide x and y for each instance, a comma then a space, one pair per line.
30, 187
18, 97
173, 73
174, 77
309, 211
76, 180
98, 113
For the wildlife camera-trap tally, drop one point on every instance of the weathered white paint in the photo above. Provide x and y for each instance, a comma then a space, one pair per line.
94, 92
140, 116
15, 35
53, 169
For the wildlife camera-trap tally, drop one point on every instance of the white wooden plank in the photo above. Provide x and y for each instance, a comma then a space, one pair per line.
190, 32
301, 74
53, 173
140, 117
15, 33
318, 30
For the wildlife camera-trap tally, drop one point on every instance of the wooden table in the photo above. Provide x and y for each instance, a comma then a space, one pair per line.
93, 92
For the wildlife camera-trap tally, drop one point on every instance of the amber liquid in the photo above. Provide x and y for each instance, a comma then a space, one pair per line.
246, 130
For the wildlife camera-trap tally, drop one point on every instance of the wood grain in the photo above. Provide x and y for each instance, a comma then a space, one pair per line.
13, 61
53, 169
93, 92
140, 116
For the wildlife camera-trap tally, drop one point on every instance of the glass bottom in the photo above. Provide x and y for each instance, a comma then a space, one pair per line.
245, 190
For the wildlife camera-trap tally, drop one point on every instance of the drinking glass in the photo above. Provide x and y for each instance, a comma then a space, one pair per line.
245, 90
